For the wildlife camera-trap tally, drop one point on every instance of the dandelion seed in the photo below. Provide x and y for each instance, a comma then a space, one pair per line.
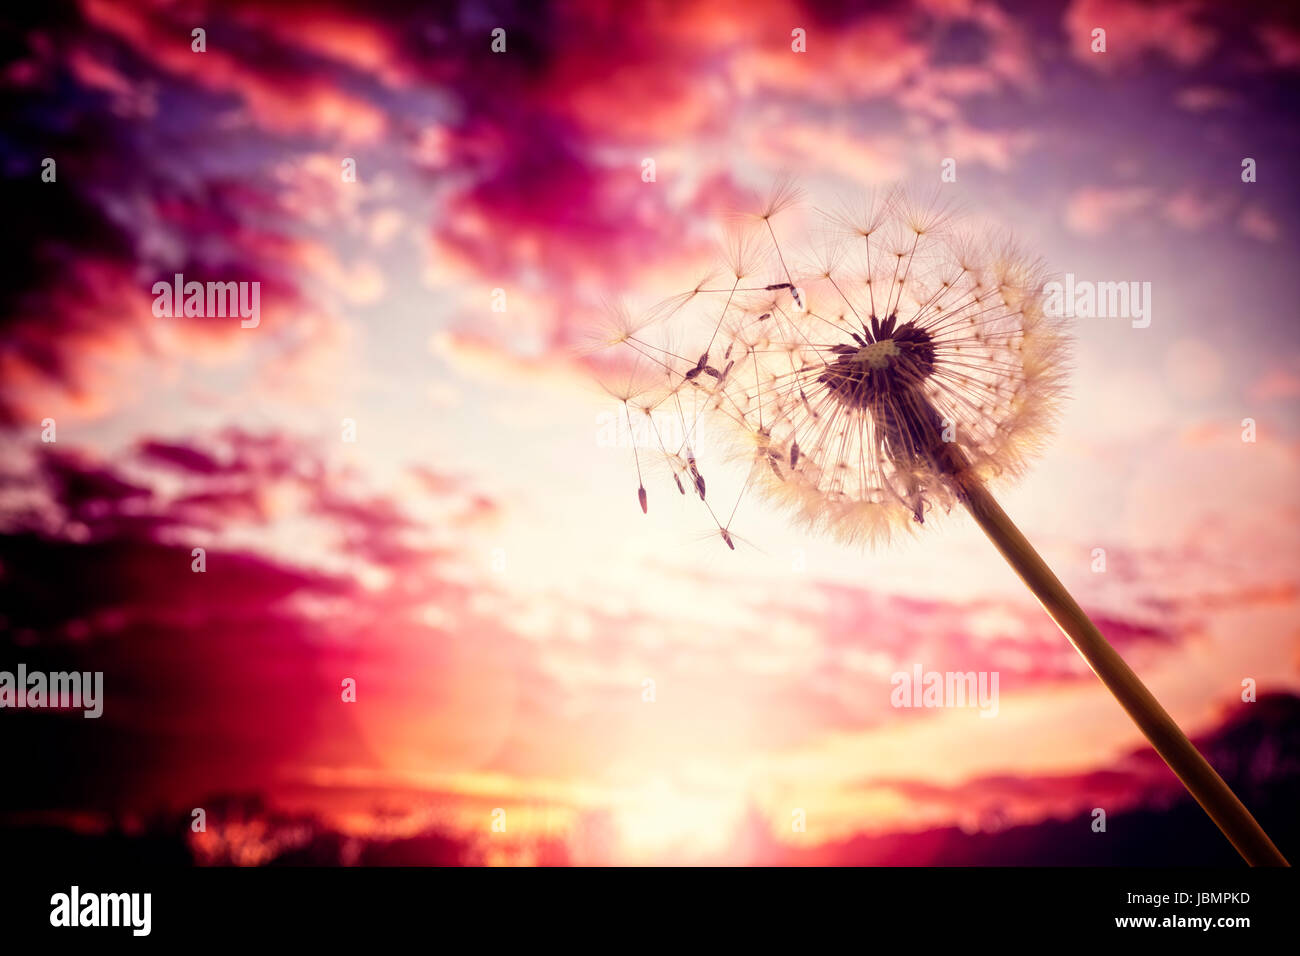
617, 326
785, 192
918, 367
696, 477
630, 384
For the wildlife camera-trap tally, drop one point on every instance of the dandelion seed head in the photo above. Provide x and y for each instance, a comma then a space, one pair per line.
859, 372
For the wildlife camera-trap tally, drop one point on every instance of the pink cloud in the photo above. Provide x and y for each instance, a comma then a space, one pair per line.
1281, 380
1171, 28
1258, 223
280, 99
837, 70
1204, 98
1094, 210
1282, 44
1193, 209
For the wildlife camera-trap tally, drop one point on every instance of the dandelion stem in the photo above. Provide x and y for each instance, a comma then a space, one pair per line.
1200, 779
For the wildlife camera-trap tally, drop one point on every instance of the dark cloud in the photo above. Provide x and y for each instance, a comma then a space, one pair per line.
223, 679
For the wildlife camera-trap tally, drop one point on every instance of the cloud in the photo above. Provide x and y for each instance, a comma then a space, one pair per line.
79, 313
280, 96
180, 456
1280, 381
1247, 746
1258, 223
1193, 207
273, 621
1204, 98
78, 320
1281, 43
1094, 210
1172, 28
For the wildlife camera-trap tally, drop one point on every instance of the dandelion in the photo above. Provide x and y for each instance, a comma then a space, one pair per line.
892, 372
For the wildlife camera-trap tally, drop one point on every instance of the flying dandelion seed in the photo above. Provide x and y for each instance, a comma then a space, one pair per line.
897, 366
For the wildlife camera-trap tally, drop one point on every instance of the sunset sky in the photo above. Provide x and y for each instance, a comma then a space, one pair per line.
476, 560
